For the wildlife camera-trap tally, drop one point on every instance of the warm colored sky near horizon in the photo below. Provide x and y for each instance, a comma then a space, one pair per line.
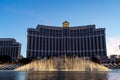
18, 15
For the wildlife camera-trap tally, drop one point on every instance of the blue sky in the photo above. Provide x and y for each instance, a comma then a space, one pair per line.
18, 15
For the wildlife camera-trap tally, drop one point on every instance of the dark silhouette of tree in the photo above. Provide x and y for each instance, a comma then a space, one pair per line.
5, 58
95, 59
24, 60
118, 61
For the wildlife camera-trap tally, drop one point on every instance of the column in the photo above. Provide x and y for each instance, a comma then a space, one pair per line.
15, 54
4, 50
0, 50
49, 45
97, 44
55, 45
28, 42
79, 50
76, 53
60, 51
70, 46
80, 46
12, 50
35, 45
42, 45
52, 47
19, 50
63, 42
49, 41
90, 50
45, 46
73, 45
39, 50
76, 45
58, 46
83, 47
94, 45
86, 46
31, 43
101, 45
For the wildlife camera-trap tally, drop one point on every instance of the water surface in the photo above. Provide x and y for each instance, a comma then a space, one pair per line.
62, 75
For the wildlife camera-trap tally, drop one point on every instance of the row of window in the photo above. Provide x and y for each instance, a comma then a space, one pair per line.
11, 51
66, 44
82, 54
66, 33
9, 45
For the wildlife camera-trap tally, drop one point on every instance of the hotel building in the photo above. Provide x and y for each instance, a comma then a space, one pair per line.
81, 41
9, 46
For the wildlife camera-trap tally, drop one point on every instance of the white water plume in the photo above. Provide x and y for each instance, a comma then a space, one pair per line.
62, 64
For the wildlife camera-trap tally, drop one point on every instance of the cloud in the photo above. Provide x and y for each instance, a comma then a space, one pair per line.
113, 46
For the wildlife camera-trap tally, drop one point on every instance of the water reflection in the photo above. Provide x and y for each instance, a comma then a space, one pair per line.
114, 74
12, 75
66, 76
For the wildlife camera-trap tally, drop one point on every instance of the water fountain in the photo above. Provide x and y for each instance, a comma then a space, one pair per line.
62, 64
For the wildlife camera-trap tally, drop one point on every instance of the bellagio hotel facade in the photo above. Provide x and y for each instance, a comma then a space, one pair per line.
81, 41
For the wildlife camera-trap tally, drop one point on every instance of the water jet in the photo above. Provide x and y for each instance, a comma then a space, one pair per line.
62, 64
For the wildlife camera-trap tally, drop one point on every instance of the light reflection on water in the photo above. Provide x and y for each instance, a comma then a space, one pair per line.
12, 75
69, 75
66, 76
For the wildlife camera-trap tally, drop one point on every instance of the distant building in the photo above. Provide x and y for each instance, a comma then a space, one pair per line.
81, 41
9, 46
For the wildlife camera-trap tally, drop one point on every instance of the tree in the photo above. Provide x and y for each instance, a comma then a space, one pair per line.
24, 60
95, 59
5, 58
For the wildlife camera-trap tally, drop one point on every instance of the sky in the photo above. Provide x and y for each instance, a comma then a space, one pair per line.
16, 16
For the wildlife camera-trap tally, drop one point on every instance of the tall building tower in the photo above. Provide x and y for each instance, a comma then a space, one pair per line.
9, 46
81, 41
